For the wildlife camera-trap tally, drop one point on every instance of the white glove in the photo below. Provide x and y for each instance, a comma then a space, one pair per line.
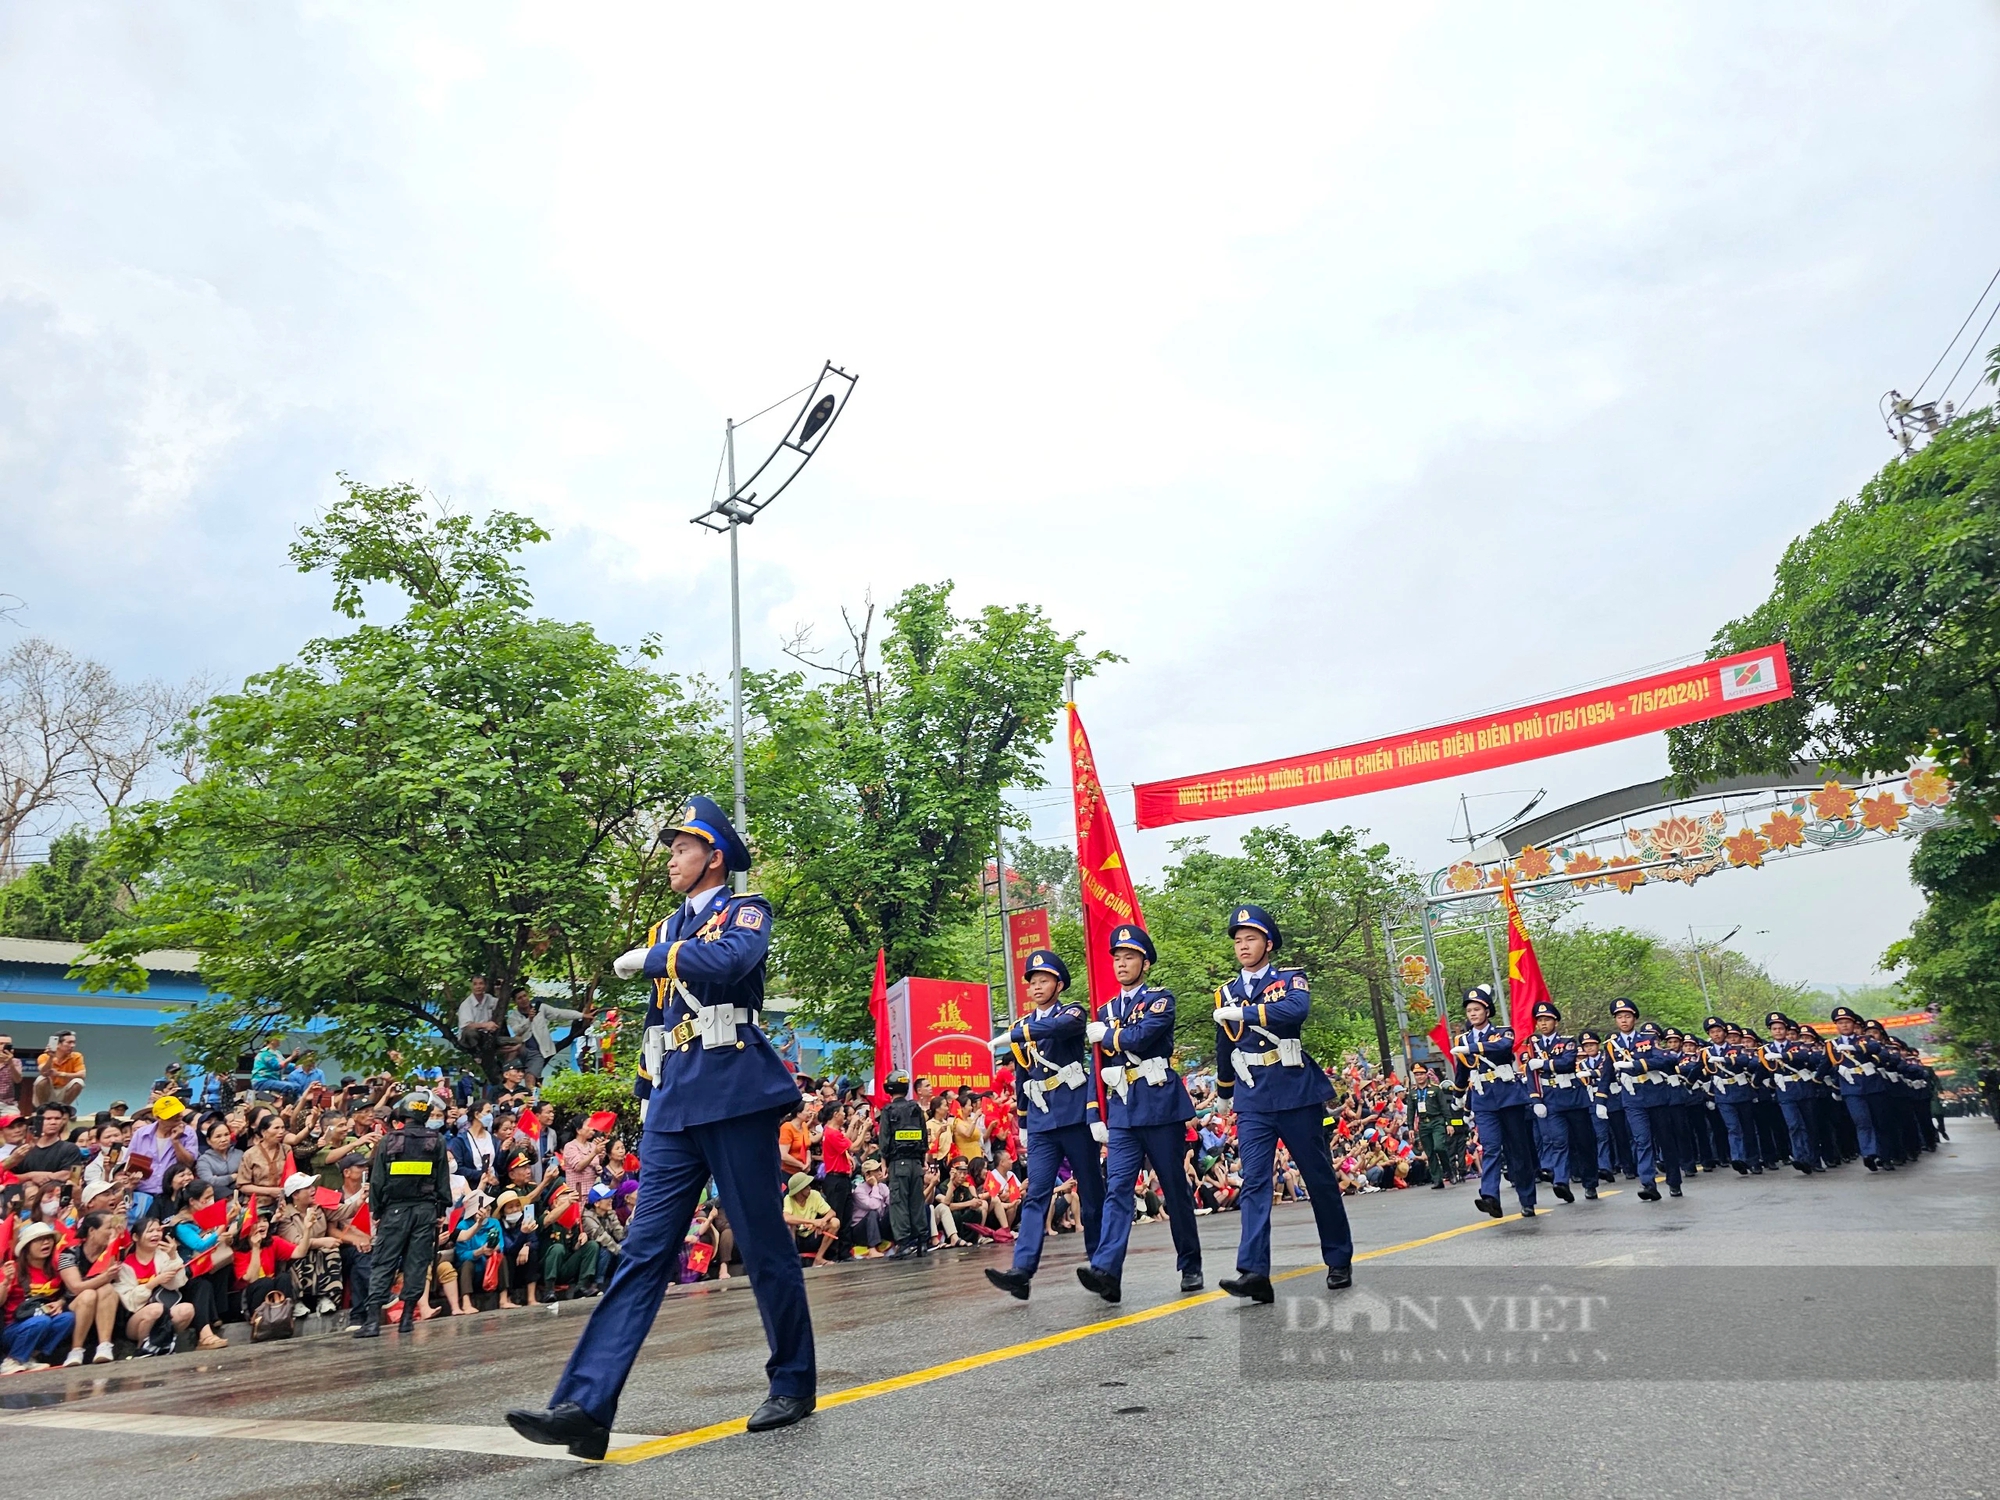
1228, 1013
1711, 1104
1623, 1066
1536, 1064
1096, 1032
1099, 1133
626, 965
1603, 1111
1541, 1110
1003, 1041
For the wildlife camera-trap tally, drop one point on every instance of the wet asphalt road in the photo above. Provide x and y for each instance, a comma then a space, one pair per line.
1211, 1398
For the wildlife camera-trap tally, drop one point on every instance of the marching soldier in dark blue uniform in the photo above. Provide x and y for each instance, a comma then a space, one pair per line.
1702, 1117
1733, 1069
1833, 1130
1793, 1101
1278, 1093
1058, 1110
711, 1095
1570, 1102
1593, 1070
1146, 1112
1647, 1098
1857, 1063
1483, 1059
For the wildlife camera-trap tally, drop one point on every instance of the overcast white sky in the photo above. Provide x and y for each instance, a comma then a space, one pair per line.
1344, 371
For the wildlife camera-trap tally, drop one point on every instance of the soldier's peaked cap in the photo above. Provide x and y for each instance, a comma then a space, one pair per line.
701, 817
1256, 918
1129, 935
1043, 961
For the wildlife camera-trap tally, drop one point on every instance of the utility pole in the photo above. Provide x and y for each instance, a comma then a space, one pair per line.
1375, 996
1698, 972
736, 657
1006, 939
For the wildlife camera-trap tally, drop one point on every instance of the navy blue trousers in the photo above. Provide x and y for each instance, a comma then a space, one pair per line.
1506, 1133
1164, 1146
674, 1167
1047, 1150
1573, 1145
1864, 1122
1303, 1131
1653, 1141
1740, 1120
1798, 1125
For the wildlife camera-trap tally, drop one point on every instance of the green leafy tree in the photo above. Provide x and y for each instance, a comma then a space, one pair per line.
71, 898
1951, 959
1890, 612
470, 789
1326, 893
877, 791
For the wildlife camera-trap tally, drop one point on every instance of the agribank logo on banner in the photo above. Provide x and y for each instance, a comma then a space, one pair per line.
1750, 679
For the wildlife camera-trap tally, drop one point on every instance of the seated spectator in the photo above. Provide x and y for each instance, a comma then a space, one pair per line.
36, 1319
52, 1157
965, 1203
209, 1260
519, 1238
815, 1226
220, 1158
868, 1216
315, 1250
477, 1247
90, 1280
59, 1073
1004, 1192
149, 1281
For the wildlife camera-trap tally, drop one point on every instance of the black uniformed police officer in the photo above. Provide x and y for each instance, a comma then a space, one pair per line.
905, 1139
409, 1186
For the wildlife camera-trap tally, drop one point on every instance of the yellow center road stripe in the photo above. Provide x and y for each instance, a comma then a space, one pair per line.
696, 1436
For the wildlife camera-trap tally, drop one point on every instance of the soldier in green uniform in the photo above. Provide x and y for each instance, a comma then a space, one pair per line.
409, 1187
1430, 1113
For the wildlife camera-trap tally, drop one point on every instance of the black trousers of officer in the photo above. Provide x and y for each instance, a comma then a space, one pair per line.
405, 1240
909, 1215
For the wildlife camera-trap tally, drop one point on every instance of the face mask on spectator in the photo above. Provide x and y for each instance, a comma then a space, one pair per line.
514, 1217
486, 1118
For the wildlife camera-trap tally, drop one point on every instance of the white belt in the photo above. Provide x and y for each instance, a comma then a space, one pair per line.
1560, 1080
716, 1024
1068, 1076
1289, 1052
1151, 1070
1782, 1081
1492, 1073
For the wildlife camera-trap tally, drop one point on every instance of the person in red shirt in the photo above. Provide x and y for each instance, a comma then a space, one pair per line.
836, 1154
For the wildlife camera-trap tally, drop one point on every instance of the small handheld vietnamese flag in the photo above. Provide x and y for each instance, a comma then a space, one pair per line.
363, 1221
250, 1216
571, 1216
113, 1253
212, 1217
529, 1125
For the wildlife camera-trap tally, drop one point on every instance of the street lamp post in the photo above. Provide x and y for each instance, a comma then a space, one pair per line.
825, 399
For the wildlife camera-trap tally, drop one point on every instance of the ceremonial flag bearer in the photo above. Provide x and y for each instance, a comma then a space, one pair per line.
1146, 1112
1258, 1017
1057, 1109
711, 1094
1484, 1061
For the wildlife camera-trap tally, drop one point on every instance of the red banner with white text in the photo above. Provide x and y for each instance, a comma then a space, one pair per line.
1026, 931
1647, 705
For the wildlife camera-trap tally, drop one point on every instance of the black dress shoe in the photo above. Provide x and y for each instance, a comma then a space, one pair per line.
1590, 1195
1528, 1212
1742, 1168
1339, 1279
371, 1326
1438, 1186
781, 1411
567, 1425
1095, 1280
1191, 1282
1014, 1283
1673, 1192
1650, 1193
1564, 1192
1256, 1288
1487, 1205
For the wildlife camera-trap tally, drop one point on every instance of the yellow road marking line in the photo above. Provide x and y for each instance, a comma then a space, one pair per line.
696, 1436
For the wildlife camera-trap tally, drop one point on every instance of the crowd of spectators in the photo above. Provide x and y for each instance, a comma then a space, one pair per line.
142, 1232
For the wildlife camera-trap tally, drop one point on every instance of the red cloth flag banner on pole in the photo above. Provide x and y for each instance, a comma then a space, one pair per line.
1525, 986
878, 1007
1108, 897
1440, 1035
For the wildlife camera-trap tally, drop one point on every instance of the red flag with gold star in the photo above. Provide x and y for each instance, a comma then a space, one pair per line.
1525, 985
1108, 897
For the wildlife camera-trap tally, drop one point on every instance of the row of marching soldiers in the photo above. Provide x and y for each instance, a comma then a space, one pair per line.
1650, 1101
